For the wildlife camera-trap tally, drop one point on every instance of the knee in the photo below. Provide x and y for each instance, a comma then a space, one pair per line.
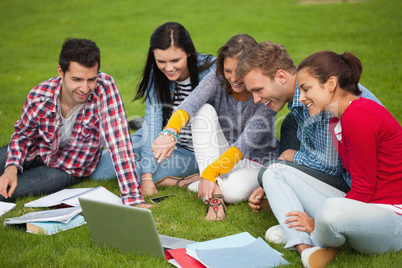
237, 191
206, 109
204, 115
205, 121
330, 212
234, 195
272, 170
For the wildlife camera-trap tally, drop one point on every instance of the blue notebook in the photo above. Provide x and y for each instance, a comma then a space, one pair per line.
52, 227
239, 250
255, 254
236, 240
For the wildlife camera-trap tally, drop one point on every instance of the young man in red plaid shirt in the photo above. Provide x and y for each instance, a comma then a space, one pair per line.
65, 123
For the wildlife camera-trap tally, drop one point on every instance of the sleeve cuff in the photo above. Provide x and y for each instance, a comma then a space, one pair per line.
15, 163
178, 120
223, 164
297, 157
133, 201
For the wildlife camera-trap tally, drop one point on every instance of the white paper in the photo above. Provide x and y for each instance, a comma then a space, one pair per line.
63, 215
56, 198
98, 193
5, 206
175, 263
70, 197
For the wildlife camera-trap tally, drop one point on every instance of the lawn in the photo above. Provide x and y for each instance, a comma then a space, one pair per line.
31, 36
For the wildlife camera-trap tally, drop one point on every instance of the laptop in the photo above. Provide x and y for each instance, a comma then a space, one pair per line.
130, 229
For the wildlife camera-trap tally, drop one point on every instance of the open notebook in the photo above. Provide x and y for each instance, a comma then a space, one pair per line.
130, 229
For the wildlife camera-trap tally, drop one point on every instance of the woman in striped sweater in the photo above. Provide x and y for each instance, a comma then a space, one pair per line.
172, 70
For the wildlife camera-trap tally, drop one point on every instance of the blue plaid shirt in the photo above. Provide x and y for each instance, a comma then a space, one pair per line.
317, 150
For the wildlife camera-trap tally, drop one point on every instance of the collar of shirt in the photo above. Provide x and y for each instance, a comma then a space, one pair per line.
295, 102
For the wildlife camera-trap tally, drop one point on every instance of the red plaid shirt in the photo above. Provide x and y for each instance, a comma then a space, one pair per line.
102, 118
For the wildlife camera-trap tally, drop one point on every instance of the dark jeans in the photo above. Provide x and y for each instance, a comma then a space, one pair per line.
335, 181
289, 138
38, 178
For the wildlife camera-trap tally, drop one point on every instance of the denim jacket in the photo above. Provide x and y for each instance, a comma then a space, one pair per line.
153, 122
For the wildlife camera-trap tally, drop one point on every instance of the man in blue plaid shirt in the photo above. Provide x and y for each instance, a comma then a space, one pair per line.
306, 143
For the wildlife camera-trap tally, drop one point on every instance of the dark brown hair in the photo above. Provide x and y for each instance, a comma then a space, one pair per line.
346, 67
165, 36
83, 51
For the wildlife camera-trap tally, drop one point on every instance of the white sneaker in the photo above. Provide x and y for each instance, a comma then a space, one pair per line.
316, 257
274, 235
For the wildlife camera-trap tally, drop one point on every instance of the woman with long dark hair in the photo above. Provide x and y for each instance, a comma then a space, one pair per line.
172, 70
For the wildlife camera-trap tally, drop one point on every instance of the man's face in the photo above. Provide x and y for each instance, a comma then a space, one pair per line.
266, 90
78, 83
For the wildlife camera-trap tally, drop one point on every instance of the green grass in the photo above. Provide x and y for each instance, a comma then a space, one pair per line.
31, 35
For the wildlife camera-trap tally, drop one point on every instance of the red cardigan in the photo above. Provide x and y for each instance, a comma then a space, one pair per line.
371, 151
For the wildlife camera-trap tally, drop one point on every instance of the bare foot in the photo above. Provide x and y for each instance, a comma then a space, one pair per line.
176, 181
148, 188
216, 208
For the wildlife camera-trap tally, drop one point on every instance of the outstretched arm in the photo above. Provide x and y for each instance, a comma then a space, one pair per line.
164, 145
114, 129
222, 165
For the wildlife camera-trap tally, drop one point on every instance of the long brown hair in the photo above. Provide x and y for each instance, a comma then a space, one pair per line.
237, 47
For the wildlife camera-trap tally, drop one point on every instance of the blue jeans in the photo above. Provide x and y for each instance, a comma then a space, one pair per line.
38, 178
181, 163
367, 228
335, 181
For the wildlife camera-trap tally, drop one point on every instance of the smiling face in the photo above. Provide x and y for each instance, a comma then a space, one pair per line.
78, 83
266, 90
173, 63
314, 95
229, 70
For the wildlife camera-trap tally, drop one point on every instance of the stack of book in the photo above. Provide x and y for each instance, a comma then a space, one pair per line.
66, 212
49, 221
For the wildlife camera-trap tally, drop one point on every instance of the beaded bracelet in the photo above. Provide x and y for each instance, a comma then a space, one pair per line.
168, 132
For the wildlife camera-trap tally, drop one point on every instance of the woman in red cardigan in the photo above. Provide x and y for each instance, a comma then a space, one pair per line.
316, 218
